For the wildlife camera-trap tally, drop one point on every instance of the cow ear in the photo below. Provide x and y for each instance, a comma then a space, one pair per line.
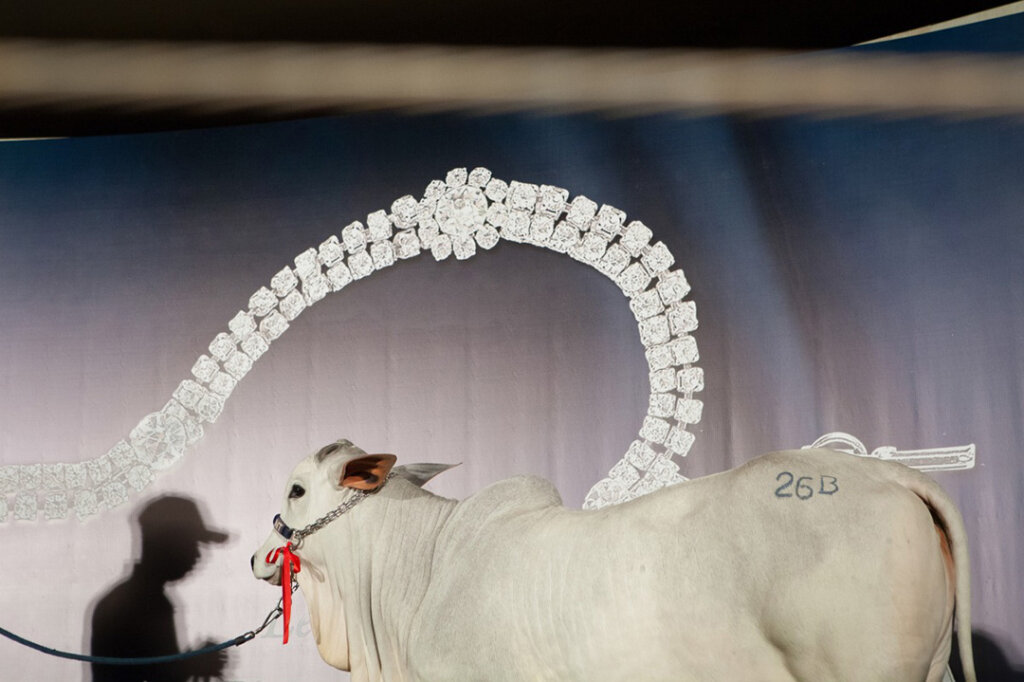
366, 472
421, 473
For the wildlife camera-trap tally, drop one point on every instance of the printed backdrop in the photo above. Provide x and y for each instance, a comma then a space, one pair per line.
852, 274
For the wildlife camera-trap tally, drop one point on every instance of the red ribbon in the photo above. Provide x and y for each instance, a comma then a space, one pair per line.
288, 560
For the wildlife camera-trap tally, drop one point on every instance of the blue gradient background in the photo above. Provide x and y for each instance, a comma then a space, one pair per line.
853, 274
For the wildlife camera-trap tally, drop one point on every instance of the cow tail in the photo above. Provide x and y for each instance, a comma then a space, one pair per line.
952, 523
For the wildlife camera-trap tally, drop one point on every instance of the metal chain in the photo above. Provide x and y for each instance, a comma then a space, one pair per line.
299, 535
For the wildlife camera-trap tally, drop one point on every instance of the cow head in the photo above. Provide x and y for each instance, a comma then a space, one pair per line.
323, 482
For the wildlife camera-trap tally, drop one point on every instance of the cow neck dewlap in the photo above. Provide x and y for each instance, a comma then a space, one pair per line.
376, 561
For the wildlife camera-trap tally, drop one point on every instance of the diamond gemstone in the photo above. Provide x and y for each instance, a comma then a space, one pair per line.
8, 478
456, 177
541, 228
517, 226
205, 368
661, 405
306, 264
339, 275
679, 441
496, 190
189, 393
659, 357
53, 476
223, 384
242, 324
139, 477
114, 494
404, 211
663, 380
283, 282
683, 317
331, 251
292, 305
614, 260
522, 196
636, 237
121, 455
564, 238
31, 476
378, 227
592, 248
581, 212
428, 232
640, 454
3, 509
315, 288
608, 222
222, 346
255, 346
487, 237
497, 215
646, 304
354, 236
624, 472
361, 264
193, 429
441, 248
690, 380
552, 200
25, 507
99, 469
654, 430
273, 325
407, 244
210, 407
86, 504
158, 440
238, 365
435, 189
479, 177
688, 410
605, 492
383, 255
654, 331
463, 248
75, 475
55, 506
262, 302
633, 279
684, 350
658, 258
673, 286
461, 212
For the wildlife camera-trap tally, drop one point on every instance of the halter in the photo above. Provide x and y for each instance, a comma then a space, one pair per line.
295, 536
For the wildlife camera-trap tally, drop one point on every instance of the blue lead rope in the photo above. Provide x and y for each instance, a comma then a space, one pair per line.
112, 660
151, 660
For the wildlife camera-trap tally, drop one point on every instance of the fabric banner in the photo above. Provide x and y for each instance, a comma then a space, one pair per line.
850, 274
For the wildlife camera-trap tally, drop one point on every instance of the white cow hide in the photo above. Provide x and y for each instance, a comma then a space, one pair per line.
807, 566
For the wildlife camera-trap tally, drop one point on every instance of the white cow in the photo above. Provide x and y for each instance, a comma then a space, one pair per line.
808, 565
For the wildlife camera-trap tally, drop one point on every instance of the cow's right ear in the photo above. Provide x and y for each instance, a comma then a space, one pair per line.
366, 472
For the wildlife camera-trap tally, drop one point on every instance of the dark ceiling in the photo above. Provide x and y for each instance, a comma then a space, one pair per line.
785, 24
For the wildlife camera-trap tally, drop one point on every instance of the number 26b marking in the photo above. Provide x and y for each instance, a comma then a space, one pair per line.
803, 490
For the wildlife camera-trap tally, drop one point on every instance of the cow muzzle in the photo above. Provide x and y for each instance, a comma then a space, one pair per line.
264, 570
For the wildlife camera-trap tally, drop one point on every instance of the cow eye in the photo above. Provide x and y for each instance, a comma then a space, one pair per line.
296, 491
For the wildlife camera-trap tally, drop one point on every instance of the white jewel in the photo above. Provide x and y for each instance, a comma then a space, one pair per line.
517, 226
378, 227
552, 200
241, 325
646, 304
683, 317
608, 222
635, 237
338, 275
306, 264
456, 177
673, 286
205, 368
222, 346
292, 305
633, 279
663, 380
404, 211
688, 410
487, 237
273, 325
315, 288
463, 247
441, 247
581, 211
262, 302
479, 177
361, 264
614, 260
496, 190
223, 384
654, 331
158, 440
255, 346
383, 254
690, 380
407, 244
658, 259
461, 212
354, 236
283, 282
521, 196
662, 405
331, 251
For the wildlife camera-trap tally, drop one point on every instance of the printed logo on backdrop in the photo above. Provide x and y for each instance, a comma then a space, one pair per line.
460, 216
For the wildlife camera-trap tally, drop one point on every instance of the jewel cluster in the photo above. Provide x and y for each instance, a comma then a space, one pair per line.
469, 210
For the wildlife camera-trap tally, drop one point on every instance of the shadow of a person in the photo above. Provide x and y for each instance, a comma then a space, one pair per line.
136, 617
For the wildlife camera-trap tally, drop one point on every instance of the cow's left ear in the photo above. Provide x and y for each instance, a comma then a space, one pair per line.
366, 472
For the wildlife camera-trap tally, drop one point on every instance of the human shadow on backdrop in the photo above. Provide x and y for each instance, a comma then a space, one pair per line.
136, 617
992, 662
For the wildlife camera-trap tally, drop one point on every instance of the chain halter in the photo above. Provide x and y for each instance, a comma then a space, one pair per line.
296, 536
